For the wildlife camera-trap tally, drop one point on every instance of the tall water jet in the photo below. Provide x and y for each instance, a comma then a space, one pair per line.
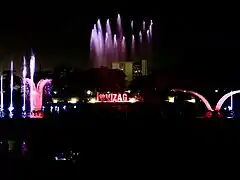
140, 37
109, 31
119, 27
24, 74
123, 48
106, 47
144, 26
32, 71
115, 46
132, 25
148, 36
133, 48
150, 28
101, 42
11, 90
119, 37
2, 106
109, 42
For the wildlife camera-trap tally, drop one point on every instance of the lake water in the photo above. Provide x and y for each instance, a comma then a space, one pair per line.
113, 137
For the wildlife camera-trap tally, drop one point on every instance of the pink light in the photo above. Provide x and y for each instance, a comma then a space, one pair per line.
37, 92
113, 98
224, 98
204, 100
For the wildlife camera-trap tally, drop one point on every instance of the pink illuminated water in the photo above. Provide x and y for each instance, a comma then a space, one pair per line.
24, 74
37, 93
32, 71
1, 93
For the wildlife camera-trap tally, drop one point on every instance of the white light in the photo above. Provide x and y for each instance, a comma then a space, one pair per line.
93, 100
55, 100
55, 92
64, 107
89, 92
132, 100
170, 99
73, 100
192, 100
216, 90
74, 107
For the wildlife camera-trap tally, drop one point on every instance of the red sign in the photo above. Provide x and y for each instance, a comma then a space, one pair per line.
111, 97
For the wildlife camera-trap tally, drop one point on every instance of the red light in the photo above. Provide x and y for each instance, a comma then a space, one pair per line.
111, 97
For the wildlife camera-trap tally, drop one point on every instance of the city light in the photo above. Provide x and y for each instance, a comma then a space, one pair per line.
171, 99
89, 92
192, 100
73, 100
55, 100
92, 100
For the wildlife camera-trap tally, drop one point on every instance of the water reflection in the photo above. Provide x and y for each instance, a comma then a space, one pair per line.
71, 155
20, 149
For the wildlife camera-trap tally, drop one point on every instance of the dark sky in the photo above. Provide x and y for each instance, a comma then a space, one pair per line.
192, 37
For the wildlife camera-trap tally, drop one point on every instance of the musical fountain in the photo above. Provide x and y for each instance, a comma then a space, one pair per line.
107, 46
30, 92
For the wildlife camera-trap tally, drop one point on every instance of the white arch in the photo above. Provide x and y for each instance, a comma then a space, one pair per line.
224, 98
204, 100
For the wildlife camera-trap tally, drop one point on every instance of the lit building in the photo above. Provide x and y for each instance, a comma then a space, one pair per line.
126, 67
144, 67
132, 69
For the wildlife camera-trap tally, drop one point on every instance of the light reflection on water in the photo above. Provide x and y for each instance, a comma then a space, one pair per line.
21, 149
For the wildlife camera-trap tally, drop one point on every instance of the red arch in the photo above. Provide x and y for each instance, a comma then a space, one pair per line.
204, 100
224, 98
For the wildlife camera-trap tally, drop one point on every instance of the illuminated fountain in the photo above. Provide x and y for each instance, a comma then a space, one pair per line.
32, 85
107, 47
31, 92
36, 92
11, 108
1, 108
24, 74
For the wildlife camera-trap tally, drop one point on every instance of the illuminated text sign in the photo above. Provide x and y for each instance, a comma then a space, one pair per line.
111, 97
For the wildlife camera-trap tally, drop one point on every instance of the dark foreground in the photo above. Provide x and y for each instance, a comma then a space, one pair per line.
116, 144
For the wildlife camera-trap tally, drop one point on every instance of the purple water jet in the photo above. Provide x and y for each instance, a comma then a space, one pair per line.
107, 47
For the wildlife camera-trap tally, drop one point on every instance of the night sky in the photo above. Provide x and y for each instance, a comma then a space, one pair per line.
182, 38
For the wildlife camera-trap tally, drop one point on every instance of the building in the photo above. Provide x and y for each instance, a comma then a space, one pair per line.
144, 67
132, 69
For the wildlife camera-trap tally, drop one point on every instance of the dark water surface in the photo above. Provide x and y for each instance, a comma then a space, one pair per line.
129, 139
